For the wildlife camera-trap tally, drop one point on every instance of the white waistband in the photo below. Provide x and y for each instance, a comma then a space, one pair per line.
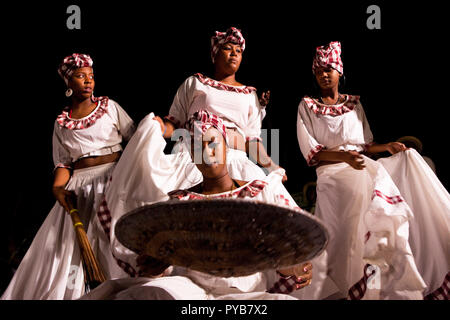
103, 151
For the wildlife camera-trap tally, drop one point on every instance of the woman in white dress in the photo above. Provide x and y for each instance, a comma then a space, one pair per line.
87, 141
392, 213
182, 283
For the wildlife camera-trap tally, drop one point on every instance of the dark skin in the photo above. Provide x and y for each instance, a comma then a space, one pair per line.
82, 83
328, 81
226, 64
217, 180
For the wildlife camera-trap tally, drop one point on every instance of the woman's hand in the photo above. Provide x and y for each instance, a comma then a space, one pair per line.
264, 99
150, 267
355, 159
395, 147
61, 195
161, 123
302, 272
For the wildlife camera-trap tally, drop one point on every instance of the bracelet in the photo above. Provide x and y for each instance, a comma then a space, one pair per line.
73, 210
78, 224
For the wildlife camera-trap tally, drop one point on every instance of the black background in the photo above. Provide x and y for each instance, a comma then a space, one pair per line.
143, 51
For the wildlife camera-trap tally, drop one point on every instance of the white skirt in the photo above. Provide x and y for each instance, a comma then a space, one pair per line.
368, 222
430, 203
145, 174
171, 288
52, 267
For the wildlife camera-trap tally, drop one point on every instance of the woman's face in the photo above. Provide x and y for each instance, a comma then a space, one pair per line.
82, 82
327, 78
228, 58
209, 155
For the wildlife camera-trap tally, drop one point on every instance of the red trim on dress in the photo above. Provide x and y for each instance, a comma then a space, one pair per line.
357, 291
441, 293
332, 110
222, 86
311, 161
390, 200
104, 216
64, 119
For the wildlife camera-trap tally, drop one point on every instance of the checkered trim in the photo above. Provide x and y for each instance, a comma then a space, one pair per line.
104, 216
390, 200
441, 293
72, 62
250, 190
232, 35
65, 121
202, 120
311, 160
329, 56
285, 285
332, 110
357, 291
222, 86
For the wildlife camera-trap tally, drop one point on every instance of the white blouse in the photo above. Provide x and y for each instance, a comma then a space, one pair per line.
341, 127
99, 133
238, 106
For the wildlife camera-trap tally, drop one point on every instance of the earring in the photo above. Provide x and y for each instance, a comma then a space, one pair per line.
69, 92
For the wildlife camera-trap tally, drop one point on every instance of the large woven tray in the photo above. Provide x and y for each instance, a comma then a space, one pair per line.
223, 237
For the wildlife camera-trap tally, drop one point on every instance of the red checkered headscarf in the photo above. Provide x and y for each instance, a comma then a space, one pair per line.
232, 35
202, 120
329, 56
72, 62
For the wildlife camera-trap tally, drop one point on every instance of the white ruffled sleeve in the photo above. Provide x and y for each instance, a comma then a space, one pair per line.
256, 114
125, 125
368, 136
61, 156
179, 110
308, 144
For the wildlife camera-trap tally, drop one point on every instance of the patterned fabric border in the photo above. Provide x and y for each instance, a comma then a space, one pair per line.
64, 119
222, 86
332, 110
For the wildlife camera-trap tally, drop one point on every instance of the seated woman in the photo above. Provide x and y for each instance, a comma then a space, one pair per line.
183, 283
146, 174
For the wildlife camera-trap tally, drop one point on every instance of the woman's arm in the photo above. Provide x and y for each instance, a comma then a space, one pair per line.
62, 176
258, 153
391, 147
353, 158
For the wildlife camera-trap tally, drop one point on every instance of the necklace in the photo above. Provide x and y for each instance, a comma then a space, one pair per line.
334, 102
234, 185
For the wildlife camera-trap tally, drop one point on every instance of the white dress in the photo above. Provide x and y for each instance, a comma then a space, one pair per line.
186, 284
375, 215
52, 268
145, 174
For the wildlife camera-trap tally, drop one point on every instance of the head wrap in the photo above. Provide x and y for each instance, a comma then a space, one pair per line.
72, 62
232, 35
329, 56
202, 120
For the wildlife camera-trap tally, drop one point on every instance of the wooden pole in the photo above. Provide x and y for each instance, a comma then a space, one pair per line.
93, 272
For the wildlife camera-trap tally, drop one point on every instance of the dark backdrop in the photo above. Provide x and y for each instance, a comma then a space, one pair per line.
142, 53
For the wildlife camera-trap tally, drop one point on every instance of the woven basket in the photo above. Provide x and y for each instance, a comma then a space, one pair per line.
223, 237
